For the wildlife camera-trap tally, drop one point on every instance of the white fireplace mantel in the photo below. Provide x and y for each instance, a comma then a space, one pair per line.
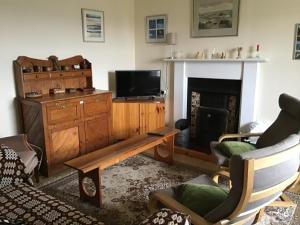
245, 70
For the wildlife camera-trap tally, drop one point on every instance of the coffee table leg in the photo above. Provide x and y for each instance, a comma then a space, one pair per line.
92, 194
169, 141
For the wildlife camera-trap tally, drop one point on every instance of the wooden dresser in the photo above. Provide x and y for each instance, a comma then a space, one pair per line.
64, 125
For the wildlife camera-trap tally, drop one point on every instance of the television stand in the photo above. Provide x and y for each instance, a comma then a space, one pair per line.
135, 116
140, 98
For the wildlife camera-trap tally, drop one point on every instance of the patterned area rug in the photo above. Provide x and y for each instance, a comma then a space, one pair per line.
126, 187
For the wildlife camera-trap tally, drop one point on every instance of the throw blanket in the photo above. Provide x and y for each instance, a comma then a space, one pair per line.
167, 217
11, 167
25, 205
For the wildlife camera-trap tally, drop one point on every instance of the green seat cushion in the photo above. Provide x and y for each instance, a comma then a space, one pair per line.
230, 148
200, 198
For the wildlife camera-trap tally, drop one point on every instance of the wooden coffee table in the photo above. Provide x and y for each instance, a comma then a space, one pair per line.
90, 166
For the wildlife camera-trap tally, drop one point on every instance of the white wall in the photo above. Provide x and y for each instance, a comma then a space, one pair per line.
40, 28
270, 23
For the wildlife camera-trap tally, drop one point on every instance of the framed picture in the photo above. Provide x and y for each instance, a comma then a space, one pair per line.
92, 25
156, 28
297, 42
215, 18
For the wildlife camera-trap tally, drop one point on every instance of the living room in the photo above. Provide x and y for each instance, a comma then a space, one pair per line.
39, 29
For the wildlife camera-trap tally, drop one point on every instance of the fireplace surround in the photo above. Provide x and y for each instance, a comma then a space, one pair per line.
244, 70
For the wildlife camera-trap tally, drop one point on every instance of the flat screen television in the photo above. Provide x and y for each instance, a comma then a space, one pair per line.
137, 83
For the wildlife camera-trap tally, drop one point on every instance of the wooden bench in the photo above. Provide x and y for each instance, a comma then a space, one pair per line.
91, 165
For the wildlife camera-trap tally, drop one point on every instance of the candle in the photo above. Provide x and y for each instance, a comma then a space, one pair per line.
257, 48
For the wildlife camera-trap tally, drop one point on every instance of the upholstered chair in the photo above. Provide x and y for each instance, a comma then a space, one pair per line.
287, 123
258, 179
29, 154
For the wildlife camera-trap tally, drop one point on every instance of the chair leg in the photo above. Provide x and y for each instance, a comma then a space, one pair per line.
259, 215
36, 174
285, 202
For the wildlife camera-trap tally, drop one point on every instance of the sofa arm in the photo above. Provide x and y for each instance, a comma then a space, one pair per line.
30, 154
39, 152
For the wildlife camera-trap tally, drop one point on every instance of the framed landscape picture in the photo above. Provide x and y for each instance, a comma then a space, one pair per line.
215, 18
92, 25
297, 42
156, 28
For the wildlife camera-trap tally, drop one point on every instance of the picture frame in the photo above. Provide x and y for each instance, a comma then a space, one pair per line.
156, 28
92, 25
216, 18
296, 53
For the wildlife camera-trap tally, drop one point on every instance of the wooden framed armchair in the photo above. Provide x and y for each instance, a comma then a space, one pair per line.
258, 179
287, 123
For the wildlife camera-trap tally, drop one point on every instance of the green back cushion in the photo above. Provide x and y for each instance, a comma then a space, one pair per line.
200, 198
230, 148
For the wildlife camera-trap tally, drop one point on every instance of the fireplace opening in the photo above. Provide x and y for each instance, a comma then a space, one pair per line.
213, 107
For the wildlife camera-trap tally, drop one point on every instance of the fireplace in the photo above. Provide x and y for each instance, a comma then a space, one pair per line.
240, 73
213, 93
212, 109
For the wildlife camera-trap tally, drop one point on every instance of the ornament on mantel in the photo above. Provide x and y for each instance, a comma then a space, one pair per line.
223, 55
257, 51
213, 54
239, 50
199, 55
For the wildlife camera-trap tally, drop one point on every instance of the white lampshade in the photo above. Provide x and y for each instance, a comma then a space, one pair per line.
171, 38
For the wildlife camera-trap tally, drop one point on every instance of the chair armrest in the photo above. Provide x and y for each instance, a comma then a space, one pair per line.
244, 135
38, 150
171, 203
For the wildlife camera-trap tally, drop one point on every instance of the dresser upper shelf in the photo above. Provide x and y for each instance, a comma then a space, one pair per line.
256, 60
38, 77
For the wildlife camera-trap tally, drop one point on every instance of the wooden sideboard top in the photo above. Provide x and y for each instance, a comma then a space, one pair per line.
63, 96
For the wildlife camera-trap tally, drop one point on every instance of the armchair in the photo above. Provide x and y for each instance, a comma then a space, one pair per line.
258, 178
287, 123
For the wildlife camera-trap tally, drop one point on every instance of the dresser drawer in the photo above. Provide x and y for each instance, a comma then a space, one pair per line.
62, 112
95, 105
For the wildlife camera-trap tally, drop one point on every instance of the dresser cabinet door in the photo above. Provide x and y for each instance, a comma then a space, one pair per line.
65, 142
97, 132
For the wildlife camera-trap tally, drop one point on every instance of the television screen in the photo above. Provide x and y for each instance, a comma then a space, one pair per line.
137, 83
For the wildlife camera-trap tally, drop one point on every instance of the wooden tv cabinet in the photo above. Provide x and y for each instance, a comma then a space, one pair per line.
64, 125
136, 117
